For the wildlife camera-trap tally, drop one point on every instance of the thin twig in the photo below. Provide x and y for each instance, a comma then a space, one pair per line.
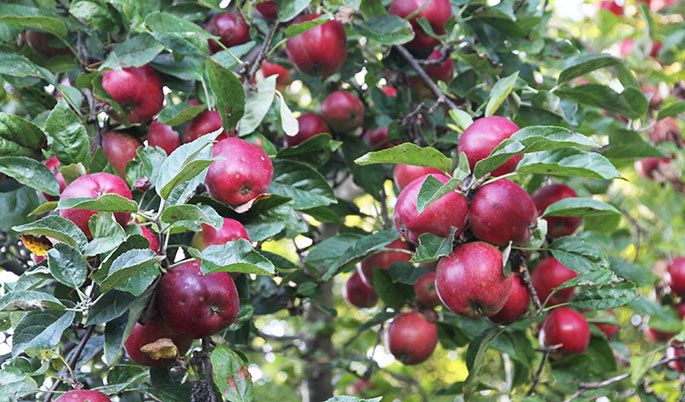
525, 276
257, 63
207, 363
72, 362
536, 378
519, 5
445, 55
426, 79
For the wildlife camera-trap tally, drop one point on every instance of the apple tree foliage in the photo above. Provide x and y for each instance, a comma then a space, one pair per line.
585, 118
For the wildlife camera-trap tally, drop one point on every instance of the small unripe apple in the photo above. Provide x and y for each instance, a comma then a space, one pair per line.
342, 111
609, 330
119, 149
45, 45
53, 164
204, 123
450, 210
557, 226
411, 338
612, 6
231, 230
436, 12
282, 73
243, 174
155, 355
517, 303
163, 136
319, 51
424, 288
358, 293
197, 305
567, 328
646, 167
470, 281
440, 72
502, 211
268, 9
232, 30
311, 124
484, 135
384, 260
152, 237
83, 395
675, 278
549, 274
93, 186
137, 90
405, 174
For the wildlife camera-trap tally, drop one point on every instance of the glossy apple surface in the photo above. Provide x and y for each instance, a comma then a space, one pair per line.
411, 338
342, 111
358, 293
163, 136
232, 29
231, 230
404, 174
319, 51
557, 226
137, 90
83, 395
549, 274
567, 328
119, 149
484, 135
517, 303
311, 124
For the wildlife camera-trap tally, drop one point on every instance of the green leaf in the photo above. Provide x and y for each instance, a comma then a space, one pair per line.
47, 24
67, 136
640, 364
44, 208
580, 206
95, 14
632, 272
583, 64
105, 202
385, 29
673, 109
567, 163
462, 119
25, 300
127, 265
475, 358
146, 165
409, 154
402, 272
57, 228
19, 137
175, 115
303, 184
107, 233
229, 92
432, 190
15, 386
40, 330
30, 172
16, 65
112, 305
344, 249
499, 93
231, 375
185, 163
394, 295
135, 51
579, 255
289, 123
431, 247
628, 144
169, 23
67, 265
257, 105
287, 10
315, 150
191, 216
631, 102
605, 296
235, 256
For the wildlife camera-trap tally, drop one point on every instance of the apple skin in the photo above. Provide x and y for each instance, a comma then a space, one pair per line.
311, 124
449, 210
411, 338
152, 331
646, 167
342, 111
470, 281
676, 276
656, 47
232, 30
52, 164
484, 135
244, 174
320, 51
609, 330
557, 226
424, 288
83, 395
517, 303
404, 174
230, 230
437, 12
119, 149
665, 129
383, 260
93, 186
163, 136
502, 211
39, 43
378, 138
549, 274
204, 123
358, 293
654, 335
152, 237
197, 305
389, 91
566, 327
137, 90
612, 7
672, 351
282, 73
440, 72
268, 9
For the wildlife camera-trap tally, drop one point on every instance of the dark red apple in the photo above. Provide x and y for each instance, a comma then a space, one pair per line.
437, 12
319, 51
243, 174
45, 45
517, 303
358, 293
53, 164
405, 174
282, 73
163, 136
268, 9
450, 210
204, 123
676, 276
137, 90
647, 167
411, 338
609, 330
557, 226
655, 335
152, 237
378, 138
384, 259
232, 30
93, 186
231, 230
83, 395
470, 281
567, 328
501, 212
484, 135
440, 72
612, 6
197, 305
342, 111
424, 288
311, 124
549, 274
676, 350
656, 47
160, 354
119, 149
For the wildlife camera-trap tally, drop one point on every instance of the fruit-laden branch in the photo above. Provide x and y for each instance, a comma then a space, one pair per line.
260, 56
426, 79
71, 362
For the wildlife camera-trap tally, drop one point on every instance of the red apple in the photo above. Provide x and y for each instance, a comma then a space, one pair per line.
440, 72
557, 226
470, 281
268, 9
378, 138
612, 6
448, 211
37, 258
549, 274
665, 130
83, 395
342, 111
677, 350
204, 123
484, 135
358, 293
426, 295
137, 90
501, 212
389, 91
45, 45
609, 330
163, 136
517, 303
437, 12
93, 186
282, 73
232, 30
197, 305
311, 124
654, 335
53, 164
231, 230
384, 260
160, 355
243, 174
119, 149
567, 328
319, 51
411, 338
405, 174
676, 276
648, 166
656, 47
627, 47
152, 237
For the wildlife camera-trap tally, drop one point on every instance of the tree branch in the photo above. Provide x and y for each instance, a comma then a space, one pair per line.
536, 378
72, 362
426, 79
207, 363
257, 63
525, 276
